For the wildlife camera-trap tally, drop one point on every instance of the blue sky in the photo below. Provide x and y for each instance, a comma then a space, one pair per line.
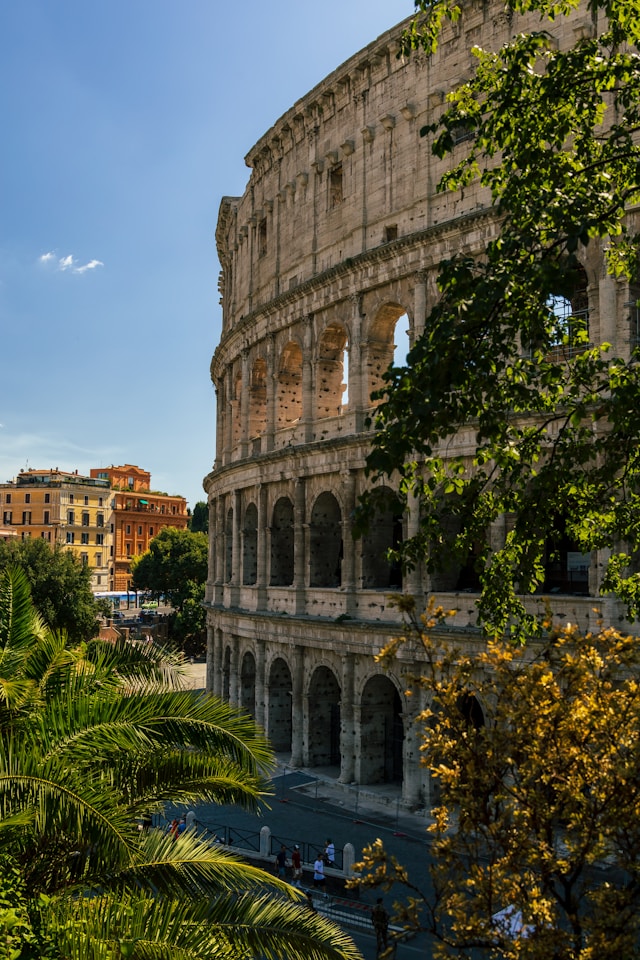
123, 125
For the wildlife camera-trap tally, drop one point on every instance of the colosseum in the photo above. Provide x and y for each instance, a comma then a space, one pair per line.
329, 262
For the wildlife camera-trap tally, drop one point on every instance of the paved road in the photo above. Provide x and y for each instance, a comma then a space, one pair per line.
307, 811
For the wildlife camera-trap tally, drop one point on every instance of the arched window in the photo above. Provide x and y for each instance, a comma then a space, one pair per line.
250, 546
326, 542
388, 344
282, 540
332, 372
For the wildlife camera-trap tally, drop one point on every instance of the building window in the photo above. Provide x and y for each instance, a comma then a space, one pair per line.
262, 237
70, 498
46, 516
100, 520
128, 549
150, 531
47, 498
7, 518
86, 501
85, 559
336, 195
98, 559
26, 516
27, 498
85, 518
98, 579
139, 531
70, 536
128, 529
84, 539
140, 548
130, 483
390, 233
8, 498
110, 551
100, 502
71, 517
99, 539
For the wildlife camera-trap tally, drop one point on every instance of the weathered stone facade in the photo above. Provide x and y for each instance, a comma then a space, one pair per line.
336, 240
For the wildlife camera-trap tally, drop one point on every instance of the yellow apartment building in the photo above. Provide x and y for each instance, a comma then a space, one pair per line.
63, 508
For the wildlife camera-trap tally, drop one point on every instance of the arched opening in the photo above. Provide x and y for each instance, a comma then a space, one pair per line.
381, 733
566, 568
282, 543
289, 391
384, 534
280, 706
324, 720
250, 546
258, 400
228, 547
471, 711
331, 372
325, 542
388, 343
569, 309
248, 684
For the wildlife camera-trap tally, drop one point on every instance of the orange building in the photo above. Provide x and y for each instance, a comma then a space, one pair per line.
138, 514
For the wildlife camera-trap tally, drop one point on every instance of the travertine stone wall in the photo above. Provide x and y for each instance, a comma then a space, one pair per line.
331, 251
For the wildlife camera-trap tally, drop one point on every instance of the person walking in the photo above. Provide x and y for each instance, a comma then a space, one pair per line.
329, 852
380, 921
296, 867
281, 862
319, 879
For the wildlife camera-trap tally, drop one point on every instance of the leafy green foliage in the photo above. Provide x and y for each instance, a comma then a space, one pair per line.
60, 586
175, 561
550, 420
534, 757
93, 738
199, 522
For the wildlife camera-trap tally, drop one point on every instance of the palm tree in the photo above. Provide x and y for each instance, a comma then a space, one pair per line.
93, 738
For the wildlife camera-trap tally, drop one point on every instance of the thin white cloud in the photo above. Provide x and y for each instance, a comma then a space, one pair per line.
69, 263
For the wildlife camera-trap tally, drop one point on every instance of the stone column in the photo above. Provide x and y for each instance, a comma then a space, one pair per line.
412, 771
357, 737
219, 389
217, 665
419, 306
235, 548
608, 298
307, 379
218, 586
261, 581
347, 739
228, 415
211, 662
234, 684
272, 384
357, 376
348, 543
297, 708
244, 406
415, 582
260, 681
299, 545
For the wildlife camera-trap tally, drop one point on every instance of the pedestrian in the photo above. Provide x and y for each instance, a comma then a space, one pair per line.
319, 879
173, 829
310, 902
380, 921
329, 852
296, 866
281, 862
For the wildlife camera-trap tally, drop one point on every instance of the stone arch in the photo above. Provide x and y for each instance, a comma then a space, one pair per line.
324, 719
289, 386
381, 732
247, 693
250, 546
282, 543
279, 723
385, 533
569, 305
325, 543
381, 344
228, 544
258, 399
331, 371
